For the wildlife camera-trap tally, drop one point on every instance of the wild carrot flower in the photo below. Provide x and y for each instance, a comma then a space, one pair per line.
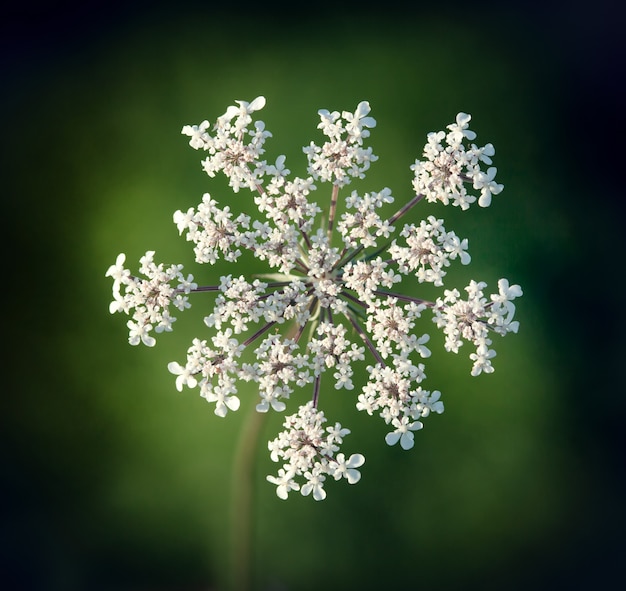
330, 298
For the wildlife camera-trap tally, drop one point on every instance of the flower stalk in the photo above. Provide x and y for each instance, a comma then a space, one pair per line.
242, 507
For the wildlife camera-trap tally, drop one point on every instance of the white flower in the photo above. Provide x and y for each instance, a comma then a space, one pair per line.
185, 376
487, 185
338, 284
459, 129
284, 483
507, 292
140, 333
197, 133
118, 273
482, 359
348, 468
403, 432
223, 403
355, 123
243, 110
315, 485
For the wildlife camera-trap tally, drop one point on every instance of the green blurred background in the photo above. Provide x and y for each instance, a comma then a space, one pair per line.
115, 481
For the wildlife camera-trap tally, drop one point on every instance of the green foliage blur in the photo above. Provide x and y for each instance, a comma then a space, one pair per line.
115, 481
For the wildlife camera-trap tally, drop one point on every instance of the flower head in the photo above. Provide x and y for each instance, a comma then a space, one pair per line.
328, 295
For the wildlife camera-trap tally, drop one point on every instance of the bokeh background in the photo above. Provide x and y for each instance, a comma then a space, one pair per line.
112, 480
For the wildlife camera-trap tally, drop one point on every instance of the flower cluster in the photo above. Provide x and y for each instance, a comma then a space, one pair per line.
308, 450
447, 170
329, 297
149, 298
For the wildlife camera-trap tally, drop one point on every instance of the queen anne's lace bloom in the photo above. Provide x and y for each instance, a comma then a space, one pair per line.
332, 278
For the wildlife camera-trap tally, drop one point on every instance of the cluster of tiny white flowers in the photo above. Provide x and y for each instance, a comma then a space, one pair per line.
342, 157
149, 298
448, 168
310, 451
356, 228
429, 249
331, 349
394, 392
474, 318
212, 365
330, 277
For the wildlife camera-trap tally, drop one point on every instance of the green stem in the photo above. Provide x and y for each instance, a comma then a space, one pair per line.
242, 517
